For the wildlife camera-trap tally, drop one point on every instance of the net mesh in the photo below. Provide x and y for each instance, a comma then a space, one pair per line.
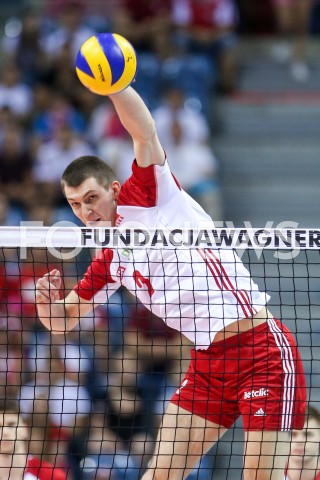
94, 398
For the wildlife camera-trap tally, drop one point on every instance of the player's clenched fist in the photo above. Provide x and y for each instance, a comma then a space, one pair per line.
47, 287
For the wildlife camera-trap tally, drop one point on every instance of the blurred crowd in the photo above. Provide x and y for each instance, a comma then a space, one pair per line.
94, 400
188, 51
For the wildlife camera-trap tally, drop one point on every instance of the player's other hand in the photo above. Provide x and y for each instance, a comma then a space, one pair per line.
47, 287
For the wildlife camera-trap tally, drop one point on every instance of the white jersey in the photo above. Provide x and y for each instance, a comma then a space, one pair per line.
197, 291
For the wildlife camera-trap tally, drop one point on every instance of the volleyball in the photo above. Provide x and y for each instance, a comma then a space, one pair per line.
106, 63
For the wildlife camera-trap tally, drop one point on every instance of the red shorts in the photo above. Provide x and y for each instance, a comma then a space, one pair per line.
257, 374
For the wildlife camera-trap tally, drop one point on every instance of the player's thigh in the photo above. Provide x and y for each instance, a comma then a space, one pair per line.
265, 452
182, 439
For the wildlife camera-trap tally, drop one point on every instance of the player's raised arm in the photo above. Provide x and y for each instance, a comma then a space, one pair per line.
106, 64
137, 120
58, 316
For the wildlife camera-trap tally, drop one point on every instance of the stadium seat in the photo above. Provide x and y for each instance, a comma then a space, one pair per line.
194, 74
148, 81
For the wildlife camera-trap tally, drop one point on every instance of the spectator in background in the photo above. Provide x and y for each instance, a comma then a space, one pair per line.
293, 21
107, 456
10, 357
4, 215
185, 132
126, 414
128, 418
209, 28
58, 402
15, 461
315, 18
112, 141
70, 29
7, 121
22, 283
101, 334
85, 102
53, 110
61, 75
174, 105
160, 355
304, 459
16, 181
24, 47
14, 93
146, 24
51, 159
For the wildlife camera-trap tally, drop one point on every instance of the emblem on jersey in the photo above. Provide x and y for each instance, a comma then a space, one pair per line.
120, 272
126, 252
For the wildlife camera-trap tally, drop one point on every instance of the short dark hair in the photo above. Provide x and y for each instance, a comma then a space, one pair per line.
85, 167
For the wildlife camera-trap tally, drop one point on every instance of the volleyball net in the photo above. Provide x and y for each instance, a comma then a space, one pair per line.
98, 393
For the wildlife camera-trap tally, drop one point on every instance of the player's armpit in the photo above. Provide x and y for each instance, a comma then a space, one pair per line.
149, 153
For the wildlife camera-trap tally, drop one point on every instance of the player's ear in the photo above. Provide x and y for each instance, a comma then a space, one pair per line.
116, 187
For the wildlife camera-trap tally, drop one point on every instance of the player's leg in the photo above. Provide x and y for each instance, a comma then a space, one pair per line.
182, 439
265, 455
272, 399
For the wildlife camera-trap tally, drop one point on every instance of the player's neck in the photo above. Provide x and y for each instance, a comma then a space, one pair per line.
309, 468
12, 468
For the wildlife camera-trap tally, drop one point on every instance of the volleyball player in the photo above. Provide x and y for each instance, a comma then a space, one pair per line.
244, 362
15, 463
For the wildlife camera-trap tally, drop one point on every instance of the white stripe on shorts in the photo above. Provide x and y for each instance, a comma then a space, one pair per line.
289, 374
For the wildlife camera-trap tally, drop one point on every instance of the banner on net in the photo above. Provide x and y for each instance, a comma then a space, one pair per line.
100, 237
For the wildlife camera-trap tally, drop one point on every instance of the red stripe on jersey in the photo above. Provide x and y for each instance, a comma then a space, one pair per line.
237, 293
140, 190
244, 292
210, 267
223, 281
177, 183
97, 275
43, 470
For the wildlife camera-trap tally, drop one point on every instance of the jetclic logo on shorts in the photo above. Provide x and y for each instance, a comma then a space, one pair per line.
263, 392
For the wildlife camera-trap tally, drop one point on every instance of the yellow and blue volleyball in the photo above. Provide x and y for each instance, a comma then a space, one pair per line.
106, 63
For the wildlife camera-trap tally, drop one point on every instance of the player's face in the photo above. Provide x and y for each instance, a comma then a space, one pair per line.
94, 204
305, 443
12, 430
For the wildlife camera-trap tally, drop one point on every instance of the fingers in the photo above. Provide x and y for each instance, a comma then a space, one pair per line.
54, 277
47, 287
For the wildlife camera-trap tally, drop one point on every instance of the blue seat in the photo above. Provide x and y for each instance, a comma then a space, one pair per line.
194, 74
148, 79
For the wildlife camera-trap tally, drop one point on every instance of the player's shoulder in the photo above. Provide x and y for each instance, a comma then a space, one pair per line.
142, 188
